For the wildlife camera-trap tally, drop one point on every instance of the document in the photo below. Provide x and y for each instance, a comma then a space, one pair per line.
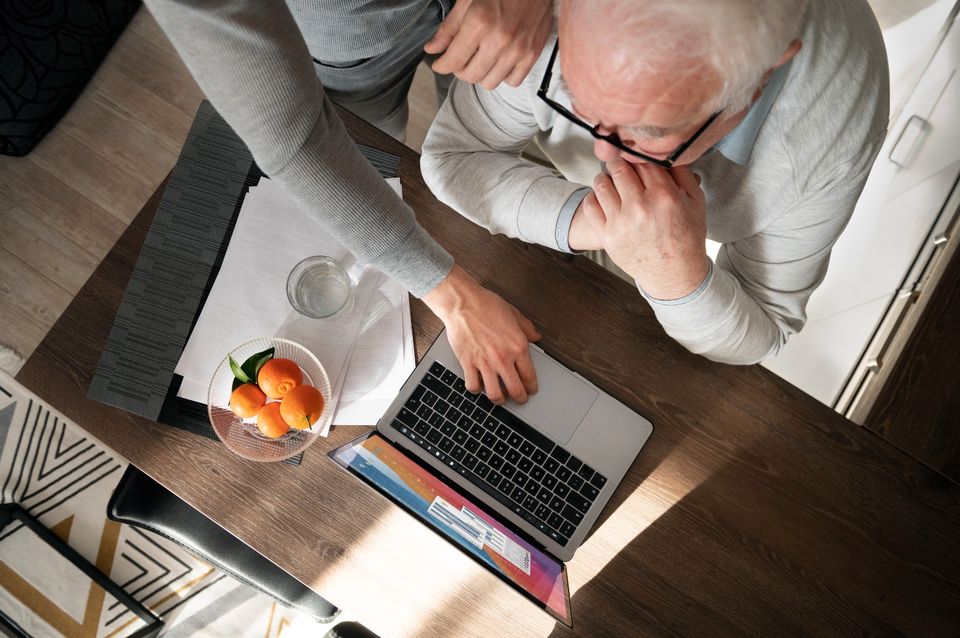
248, 301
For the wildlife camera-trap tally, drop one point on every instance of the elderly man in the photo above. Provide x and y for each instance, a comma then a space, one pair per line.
751, 122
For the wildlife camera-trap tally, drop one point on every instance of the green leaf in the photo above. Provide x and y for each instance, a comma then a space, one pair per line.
238, 371
236, 384
254, 362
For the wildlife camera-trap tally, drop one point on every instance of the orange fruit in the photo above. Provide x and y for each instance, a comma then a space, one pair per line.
302, 407
269, 421
279, 376
247, 400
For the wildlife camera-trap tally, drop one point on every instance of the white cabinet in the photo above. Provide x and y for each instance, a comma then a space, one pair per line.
873, 263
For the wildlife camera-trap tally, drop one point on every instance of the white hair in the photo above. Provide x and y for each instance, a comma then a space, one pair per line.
740, 39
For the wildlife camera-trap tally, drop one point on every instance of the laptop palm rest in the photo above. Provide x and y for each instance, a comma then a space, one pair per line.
561, 402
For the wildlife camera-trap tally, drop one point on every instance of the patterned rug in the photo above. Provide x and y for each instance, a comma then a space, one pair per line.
55, 471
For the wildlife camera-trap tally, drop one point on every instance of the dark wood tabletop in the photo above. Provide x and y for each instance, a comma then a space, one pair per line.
753, 509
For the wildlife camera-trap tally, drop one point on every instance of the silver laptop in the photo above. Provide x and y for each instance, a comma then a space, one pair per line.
548, 466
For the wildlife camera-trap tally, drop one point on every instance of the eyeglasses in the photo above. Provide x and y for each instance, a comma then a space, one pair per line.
612, 138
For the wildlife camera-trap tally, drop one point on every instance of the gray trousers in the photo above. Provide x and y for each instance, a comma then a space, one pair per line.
376, 88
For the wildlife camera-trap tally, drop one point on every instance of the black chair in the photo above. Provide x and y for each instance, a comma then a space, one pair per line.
140, 501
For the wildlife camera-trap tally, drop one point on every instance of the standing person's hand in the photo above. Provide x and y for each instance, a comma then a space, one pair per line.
487, 42
652, 222
488, 335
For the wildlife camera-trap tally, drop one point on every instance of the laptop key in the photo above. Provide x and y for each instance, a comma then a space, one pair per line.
555, 521
466, 423
513, 456
537, 473
544, 495
515, 440
575, 482
484, 402
508, 470
530, 503
436, 386
434, 436
489, 439
507, 486
454, 414
472, 445
496, 462
572, 514
437, 369
520, 478
424, 411
578, 502
414, 399
407, 417
518, 495
442, 407
526, 448
500, 448
525, 464
479, 414
458, 453
563, 473
422, 427
590, 492
560, 454
459, 385
557, 536
598, 481
470, 461
542, 512
448, 428
502, 431
549, 481
435, 420
561, 490
539, 456
455, 400
448, 377
585, 472
482, 470
556, 503
551, 465
430, 398
445, 444
476, 431
460, 436
574, 463
494, 478
567, 529
533, 485
484, 453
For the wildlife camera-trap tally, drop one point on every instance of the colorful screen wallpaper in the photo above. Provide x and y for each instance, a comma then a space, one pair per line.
481, 535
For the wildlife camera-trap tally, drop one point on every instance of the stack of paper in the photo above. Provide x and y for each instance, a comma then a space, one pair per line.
367, 353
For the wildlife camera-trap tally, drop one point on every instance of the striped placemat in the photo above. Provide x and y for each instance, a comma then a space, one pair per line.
178, 264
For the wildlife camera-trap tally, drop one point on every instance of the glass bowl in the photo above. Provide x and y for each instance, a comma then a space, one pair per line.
241, 436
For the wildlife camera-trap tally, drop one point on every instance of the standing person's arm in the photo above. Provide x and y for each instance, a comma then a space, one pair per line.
252, 63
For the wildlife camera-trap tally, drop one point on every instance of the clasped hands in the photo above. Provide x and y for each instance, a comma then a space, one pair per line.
652, 223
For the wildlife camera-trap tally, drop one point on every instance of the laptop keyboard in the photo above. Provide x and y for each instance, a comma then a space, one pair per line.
499, 453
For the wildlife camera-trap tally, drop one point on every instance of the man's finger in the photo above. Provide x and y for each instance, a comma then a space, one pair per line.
529, 330
448, 28
593, 213
457, 55
654, 176
511, 381
471, 379
528, 375
491, 384
606, 194
521, 70
687, 180
625, 179
501, 70
482, 63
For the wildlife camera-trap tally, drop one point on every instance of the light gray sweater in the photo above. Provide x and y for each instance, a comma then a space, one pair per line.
777, 214
252, 58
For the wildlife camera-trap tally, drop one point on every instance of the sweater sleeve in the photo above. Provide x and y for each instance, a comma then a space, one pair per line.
756, 294
252, 63
471, 161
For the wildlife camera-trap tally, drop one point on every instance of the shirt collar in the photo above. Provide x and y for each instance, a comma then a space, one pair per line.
738, 143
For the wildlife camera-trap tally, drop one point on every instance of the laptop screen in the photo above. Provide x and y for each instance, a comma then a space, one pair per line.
417, 489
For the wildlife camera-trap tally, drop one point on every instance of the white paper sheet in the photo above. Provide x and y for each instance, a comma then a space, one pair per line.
248, 300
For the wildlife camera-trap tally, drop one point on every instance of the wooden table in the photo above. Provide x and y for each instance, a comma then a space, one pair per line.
753, 509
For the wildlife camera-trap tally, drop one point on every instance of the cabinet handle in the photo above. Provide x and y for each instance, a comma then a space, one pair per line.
901, 160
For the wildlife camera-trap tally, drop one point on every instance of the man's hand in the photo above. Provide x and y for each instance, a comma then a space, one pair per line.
652, 222
489, 41
488, 335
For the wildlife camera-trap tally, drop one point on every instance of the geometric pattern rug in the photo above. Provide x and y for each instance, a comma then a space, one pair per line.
64, 478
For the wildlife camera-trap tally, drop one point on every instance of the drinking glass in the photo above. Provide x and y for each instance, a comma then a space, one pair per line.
320, 287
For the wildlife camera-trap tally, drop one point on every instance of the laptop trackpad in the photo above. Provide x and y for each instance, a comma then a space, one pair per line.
561, 402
